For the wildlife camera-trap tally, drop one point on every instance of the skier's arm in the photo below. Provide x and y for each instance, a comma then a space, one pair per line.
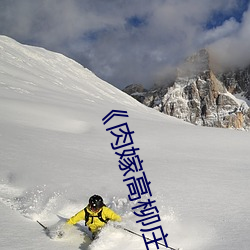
110, 214
77, 217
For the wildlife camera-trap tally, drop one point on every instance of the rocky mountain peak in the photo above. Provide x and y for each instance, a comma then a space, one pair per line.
196, 64
200, 96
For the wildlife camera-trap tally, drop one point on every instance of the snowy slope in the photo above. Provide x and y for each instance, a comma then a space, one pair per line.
55, 153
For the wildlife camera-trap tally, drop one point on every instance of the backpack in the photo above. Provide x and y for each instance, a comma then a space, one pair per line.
99, 216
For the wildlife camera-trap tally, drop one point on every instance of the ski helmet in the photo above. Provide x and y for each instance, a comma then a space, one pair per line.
95, 202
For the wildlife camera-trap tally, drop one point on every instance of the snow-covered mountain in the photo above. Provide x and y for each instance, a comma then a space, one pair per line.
237, 81
201, 95
55, 153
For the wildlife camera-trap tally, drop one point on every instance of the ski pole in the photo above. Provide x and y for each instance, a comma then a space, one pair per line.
45, 228
148, 238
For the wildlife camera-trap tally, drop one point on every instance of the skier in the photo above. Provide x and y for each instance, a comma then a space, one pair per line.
95, 214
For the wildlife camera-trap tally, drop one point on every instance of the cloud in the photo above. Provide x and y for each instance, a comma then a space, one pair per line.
125, 42
233, 49
228, 28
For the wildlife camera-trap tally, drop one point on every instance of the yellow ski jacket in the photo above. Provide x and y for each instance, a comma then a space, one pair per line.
94, 223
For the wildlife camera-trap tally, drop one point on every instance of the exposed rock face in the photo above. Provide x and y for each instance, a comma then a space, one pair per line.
198, 96
237, 81
137, 91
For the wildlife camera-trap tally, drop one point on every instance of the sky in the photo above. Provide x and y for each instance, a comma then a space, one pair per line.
136, 41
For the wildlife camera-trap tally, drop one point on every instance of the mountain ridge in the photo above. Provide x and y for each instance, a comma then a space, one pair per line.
201, 95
